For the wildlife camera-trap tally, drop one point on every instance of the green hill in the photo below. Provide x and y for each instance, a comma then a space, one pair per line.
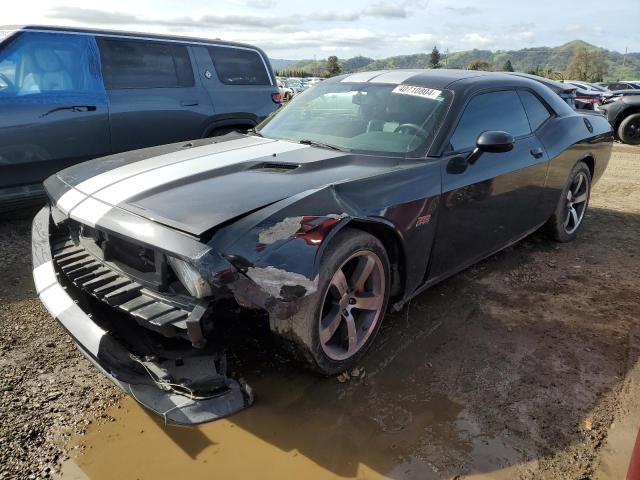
557, 59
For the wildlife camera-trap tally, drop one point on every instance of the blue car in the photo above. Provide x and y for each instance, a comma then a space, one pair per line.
69, 95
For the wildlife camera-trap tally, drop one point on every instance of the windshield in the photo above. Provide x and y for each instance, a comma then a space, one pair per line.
362, 117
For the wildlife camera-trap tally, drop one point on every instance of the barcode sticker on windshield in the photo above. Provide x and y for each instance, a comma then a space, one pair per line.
418, 91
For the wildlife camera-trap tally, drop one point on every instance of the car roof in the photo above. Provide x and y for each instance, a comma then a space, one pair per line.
128, 34
434, 78
451, 78
464, 83
557, 87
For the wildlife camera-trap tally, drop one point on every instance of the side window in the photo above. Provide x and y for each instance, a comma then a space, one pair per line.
44, 63
490, 111
237, 66
142, 64
536, 111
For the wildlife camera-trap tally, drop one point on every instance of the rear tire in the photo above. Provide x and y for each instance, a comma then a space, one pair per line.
629, 129
564, 224
337, 324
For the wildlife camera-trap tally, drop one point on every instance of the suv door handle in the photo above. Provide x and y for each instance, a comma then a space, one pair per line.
537, 152
72, 108
189, 103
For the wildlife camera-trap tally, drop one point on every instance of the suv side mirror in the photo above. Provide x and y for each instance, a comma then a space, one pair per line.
492, 142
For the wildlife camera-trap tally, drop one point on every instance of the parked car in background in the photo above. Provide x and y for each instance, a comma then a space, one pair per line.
623, 114
588, 93
311, 81
566, 92
295, 84
620, 85
286, 93
587, 87
360, 194
68, 95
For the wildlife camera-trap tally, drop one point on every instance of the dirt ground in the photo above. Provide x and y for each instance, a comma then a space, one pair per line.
520, 367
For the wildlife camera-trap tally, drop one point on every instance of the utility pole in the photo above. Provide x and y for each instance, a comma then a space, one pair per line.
624, 57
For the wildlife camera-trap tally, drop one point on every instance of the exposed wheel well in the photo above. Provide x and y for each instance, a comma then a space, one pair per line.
214, 132
227, 125
590, 162
393, 245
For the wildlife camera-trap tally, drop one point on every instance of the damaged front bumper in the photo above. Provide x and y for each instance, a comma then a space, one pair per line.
154, 379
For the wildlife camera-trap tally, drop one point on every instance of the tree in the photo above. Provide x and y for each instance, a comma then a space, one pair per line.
587, 65
434, 59
333, 67
480, 65
507, 67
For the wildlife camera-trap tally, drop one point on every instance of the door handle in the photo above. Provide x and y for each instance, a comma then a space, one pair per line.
189, 103
72, 108
537, 152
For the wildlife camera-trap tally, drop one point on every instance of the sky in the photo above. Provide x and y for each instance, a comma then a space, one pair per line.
298, 29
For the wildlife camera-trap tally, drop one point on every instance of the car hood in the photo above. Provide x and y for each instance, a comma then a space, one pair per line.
197, 186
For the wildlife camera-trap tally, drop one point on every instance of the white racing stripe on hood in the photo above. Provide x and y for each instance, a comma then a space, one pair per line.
69, 200
90, 212
103, 180
73, 197
135, 185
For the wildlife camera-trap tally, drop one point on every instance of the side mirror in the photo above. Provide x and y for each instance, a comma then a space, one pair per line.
492, 142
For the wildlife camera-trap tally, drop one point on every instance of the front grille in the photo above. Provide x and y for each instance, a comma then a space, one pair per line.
166, 314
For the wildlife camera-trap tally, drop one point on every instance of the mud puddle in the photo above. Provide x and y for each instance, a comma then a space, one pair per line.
387, 421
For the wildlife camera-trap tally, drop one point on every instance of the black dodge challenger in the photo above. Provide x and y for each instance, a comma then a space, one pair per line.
363, 191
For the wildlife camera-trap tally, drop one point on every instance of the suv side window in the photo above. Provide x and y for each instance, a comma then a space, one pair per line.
490, 111
237, 66
144, 64
44, 63
536, 111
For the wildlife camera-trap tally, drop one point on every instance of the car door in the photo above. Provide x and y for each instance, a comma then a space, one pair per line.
238, 81
486, 205
53, 108
152, 93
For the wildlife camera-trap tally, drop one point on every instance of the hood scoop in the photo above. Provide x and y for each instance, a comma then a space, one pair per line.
275, 167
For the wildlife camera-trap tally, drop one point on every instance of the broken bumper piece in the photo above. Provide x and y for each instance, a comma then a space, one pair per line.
157, 382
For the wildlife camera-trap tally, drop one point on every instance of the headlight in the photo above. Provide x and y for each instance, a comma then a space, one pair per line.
190, 278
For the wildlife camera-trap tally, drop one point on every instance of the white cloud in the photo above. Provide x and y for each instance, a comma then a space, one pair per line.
385, 10
420, 41
261, 3
478, 40
334, 16
463, 11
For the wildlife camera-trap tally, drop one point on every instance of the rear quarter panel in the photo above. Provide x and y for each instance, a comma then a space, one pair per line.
567, 141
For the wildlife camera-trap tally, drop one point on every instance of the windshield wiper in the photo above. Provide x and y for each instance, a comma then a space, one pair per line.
313, 143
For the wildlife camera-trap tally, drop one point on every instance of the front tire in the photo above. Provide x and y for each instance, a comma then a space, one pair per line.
564, 224
337, 324
629, 129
